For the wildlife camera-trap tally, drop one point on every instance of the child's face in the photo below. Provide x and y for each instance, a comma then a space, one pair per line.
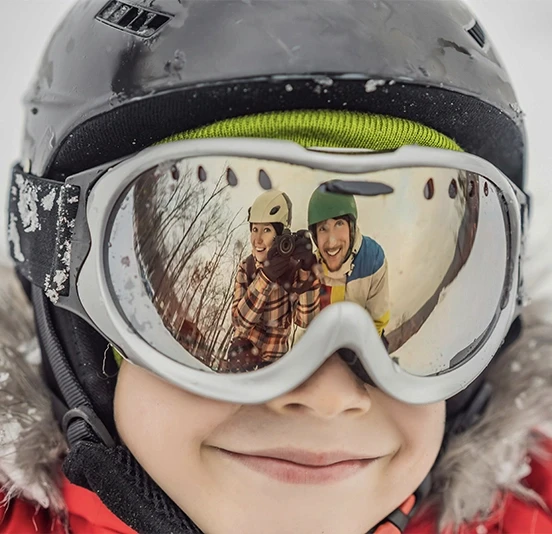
208, 455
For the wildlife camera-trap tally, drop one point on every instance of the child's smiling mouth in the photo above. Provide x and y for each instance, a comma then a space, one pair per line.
302, 467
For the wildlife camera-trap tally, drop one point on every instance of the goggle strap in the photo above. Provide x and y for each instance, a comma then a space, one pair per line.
42, 216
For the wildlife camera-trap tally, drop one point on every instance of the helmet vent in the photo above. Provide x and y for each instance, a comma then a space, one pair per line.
132, 19
476, 31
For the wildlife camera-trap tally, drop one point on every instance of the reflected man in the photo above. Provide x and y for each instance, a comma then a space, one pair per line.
354, 266
272, 289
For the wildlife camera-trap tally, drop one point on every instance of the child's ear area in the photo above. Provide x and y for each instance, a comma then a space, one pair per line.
119, 386
133, 389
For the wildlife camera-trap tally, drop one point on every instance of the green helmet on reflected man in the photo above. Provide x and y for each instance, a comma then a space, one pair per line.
324, 205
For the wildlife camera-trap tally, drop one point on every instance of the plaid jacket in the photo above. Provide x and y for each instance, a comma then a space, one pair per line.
263, 312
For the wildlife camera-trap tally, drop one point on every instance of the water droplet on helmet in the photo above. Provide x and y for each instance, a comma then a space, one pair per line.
371, 85
51, 138
324, 80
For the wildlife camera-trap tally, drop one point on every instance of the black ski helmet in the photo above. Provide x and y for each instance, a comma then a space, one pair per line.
119, 76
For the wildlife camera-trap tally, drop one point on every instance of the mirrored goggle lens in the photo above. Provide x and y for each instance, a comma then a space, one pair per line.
229, 260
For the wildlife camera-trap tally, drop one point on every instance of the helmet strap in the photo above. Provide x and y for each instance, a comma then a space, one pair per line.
397, 521
72, 406
352, 236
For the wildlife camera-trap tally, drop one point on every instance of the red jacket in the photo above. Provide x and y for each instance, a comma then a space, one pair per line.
87, 515
513, 516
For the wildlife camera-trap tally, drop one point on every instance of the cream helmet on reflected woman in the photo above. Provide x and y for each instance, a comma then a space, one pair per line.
271, 207
268, 217
176, 94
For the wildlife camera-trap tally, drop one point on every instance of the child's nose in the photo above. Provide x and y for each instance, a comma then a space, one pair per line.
332, 391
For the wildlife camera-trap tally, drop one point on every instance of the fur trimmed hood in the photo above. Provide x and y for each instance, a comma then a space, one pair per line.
492, 455
31, 444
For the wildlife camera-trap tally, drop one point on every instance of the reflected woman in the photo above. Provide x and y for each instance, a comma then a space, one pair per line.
274, 287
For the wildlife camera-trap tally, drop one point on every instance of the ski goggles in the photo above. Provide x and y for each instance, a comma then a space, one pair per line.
234, 268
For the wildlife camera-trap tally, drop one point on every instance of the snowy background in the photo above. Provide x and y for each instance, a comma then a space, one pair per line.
521, 33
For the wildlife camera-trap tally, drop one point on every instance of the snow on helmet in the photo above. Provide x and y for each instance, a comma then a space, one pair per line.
271, 207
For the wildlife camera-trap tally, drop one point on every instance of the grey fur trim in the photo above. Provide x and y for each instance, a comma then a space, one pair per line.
31, 445
494, 454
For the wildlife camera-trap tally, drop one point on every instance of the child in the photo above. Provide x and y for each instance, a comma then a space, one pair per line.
335, 436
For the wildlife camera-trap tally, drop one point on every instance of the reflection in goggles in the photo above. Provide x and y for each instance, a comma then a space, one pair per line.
237, 271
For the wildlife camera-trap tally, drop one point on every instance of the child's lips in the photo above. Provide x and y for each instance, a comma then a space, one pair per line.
302, 467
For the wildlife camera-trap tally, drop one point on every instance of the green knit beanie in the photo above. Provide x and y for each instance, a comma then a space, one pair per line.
325, 128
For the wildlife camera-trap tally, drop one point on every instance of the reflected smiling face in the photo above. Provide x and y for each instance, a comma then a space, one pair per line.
333, 455
261, 237
333, 237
